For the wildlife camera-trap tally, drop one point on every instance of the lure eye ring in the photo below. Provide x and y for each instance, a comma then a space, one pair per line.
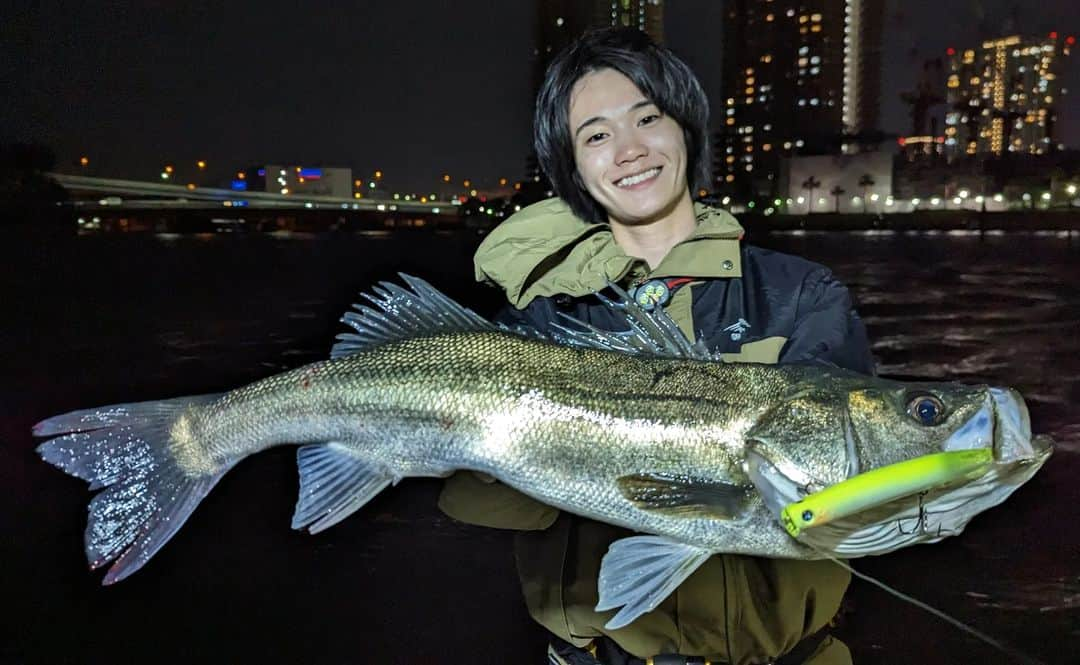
926, 409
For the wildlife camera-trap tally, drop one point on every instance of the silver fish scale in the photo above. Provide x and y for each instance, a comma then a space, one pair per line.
560, 424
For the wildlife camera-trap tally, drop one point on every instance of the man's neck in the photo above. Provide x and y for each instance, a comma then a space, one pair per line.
653, 240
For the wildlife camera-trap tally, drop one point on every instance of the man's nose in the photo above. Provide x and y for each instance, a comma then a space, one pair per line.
629, 148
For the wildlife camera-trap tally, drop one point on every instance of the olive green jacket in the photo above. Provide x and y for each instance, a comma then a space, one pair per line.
733, 609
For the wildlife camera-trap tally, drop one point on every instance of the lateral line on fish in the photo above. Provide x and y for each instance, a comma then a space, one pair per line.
978, 634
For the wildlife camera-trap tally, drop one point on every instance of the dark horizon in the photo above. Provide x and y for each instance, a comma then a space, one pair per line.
413, 90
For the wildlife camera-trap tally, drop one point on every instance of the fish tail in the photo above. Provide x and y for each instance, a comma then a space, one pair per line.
129, 449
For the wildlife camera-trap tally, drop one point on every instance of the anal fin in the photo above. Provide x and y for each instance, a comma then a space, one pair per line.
639, 572
334, 483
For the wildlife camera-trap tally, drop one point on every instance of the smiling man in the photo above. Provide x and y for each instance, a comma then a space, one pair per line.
621, 131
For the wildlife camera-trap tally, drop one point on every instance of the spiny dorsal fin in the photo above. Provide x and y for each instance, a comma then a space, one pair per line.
652, 333
396, 313
400, 314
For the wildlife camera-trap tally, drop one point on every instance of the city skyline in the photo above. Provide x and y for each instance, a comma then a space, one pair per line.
415, 91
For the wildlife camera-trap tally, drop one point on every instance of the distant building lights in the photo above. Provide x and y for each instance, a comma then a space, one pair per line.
168, 168
446, 177
201, 164
84, 161
378, 175
1071, 189
1046, 196
191, 185
998, 198
164, 176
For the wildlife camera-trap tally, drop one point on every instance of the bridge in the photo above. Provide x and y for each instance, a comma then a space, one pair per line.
113, 193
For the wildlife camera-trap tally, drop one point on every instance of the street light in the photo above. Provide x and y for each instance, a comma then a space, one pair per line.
84, 161
201, 164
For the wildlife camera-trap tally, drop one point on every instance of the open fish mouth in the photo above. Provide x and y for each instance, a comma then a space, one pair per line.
998, 452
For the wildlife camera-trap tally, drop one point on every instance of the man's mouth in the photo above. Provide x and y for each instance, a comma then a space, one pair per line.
638, 178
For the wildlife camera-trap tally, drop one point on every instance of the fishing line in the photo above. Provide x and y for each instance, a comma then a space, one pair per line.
1000, 646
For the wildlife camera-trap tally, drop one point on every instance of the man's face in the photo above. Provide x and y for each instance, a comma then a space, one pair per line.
630, 156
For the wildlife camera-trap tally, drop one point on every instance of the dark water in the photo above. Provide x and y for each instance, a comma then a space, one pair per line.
97, 320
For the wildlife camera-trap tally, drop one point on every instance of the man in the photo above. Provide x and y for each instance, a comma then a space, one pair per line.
621, 132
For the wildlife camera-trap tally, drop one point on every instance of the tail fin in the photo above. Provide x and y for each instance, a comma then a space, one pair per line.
125, 448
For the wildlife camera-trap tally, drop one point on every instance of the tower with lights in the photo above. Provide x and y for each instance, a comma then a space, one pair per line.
1003, 96
799, 77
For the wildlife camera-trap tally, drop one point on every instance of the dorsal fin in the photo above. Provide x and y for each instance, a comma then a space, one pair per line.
396, 313
401, 314
652, 333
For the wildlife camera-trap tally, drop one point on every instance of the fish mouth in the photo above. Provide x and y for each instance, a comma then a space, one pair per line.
1002, 425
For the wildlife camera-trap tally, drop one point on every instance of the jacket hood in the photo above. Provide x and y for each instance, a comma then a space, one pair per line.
546, 250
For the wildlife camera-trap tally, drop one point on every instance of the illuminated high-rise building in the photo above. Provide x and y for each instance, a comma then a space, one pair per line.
799, 76
559, 22
1003, 96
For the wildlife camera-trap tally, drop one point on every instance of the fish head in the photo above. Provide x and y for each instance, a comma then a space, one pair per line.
824, 437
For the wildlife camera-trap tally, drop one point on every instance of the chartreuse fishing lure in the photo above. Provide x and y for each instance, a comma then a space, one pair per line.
884, 485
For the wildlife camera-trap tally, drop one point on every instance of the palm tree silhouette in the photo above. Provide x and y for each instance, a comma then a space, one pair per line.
866, 182
837, 192
811, 184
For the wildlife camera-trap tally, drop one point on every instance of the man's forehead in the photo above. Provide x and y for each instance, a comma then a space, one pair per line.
604, 93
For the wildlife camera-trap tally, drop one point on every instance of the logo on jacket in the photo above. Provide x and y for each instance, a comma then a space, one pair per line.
737, 329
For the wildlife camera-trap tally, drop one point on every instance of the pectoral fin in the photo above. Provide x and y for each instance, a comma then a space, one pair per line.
685, 495
639, 572
334, 483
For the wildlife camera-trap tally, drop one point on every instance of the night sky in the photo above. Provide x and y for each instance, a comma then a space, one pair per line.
415, 89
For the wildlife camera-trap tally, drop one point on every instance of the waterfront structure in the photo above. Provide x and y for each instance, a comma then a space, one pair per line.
858, 182
1003, 96
799, 77
296, 180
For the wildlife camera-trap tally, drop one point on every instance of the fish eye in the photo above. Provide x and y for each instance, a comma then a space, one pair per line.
926, 409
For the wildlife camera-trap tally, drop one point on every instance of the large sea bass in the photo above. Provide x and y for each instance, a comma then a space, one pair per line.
640, 429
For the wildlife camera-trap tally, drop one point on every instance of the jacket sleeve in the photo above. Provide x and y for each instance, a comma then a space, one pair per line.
477, 499
827, 328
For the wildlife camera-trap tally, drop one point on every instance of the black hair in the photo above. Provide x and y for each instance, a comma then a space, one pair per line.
664, 79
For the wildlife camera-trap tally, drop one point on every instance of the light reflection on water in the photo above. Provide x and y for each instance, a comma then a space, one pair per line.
108, 319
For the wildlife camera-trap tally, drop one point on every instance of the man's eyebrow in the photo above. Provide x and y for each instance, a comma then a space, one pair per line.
600, 118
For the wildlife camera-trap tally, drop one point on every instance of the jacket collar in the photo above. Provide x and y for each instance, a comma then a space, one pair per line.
545, 250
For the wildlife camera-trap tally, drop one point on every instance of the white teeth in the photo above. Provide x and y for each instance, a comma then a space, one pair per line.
630, 181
